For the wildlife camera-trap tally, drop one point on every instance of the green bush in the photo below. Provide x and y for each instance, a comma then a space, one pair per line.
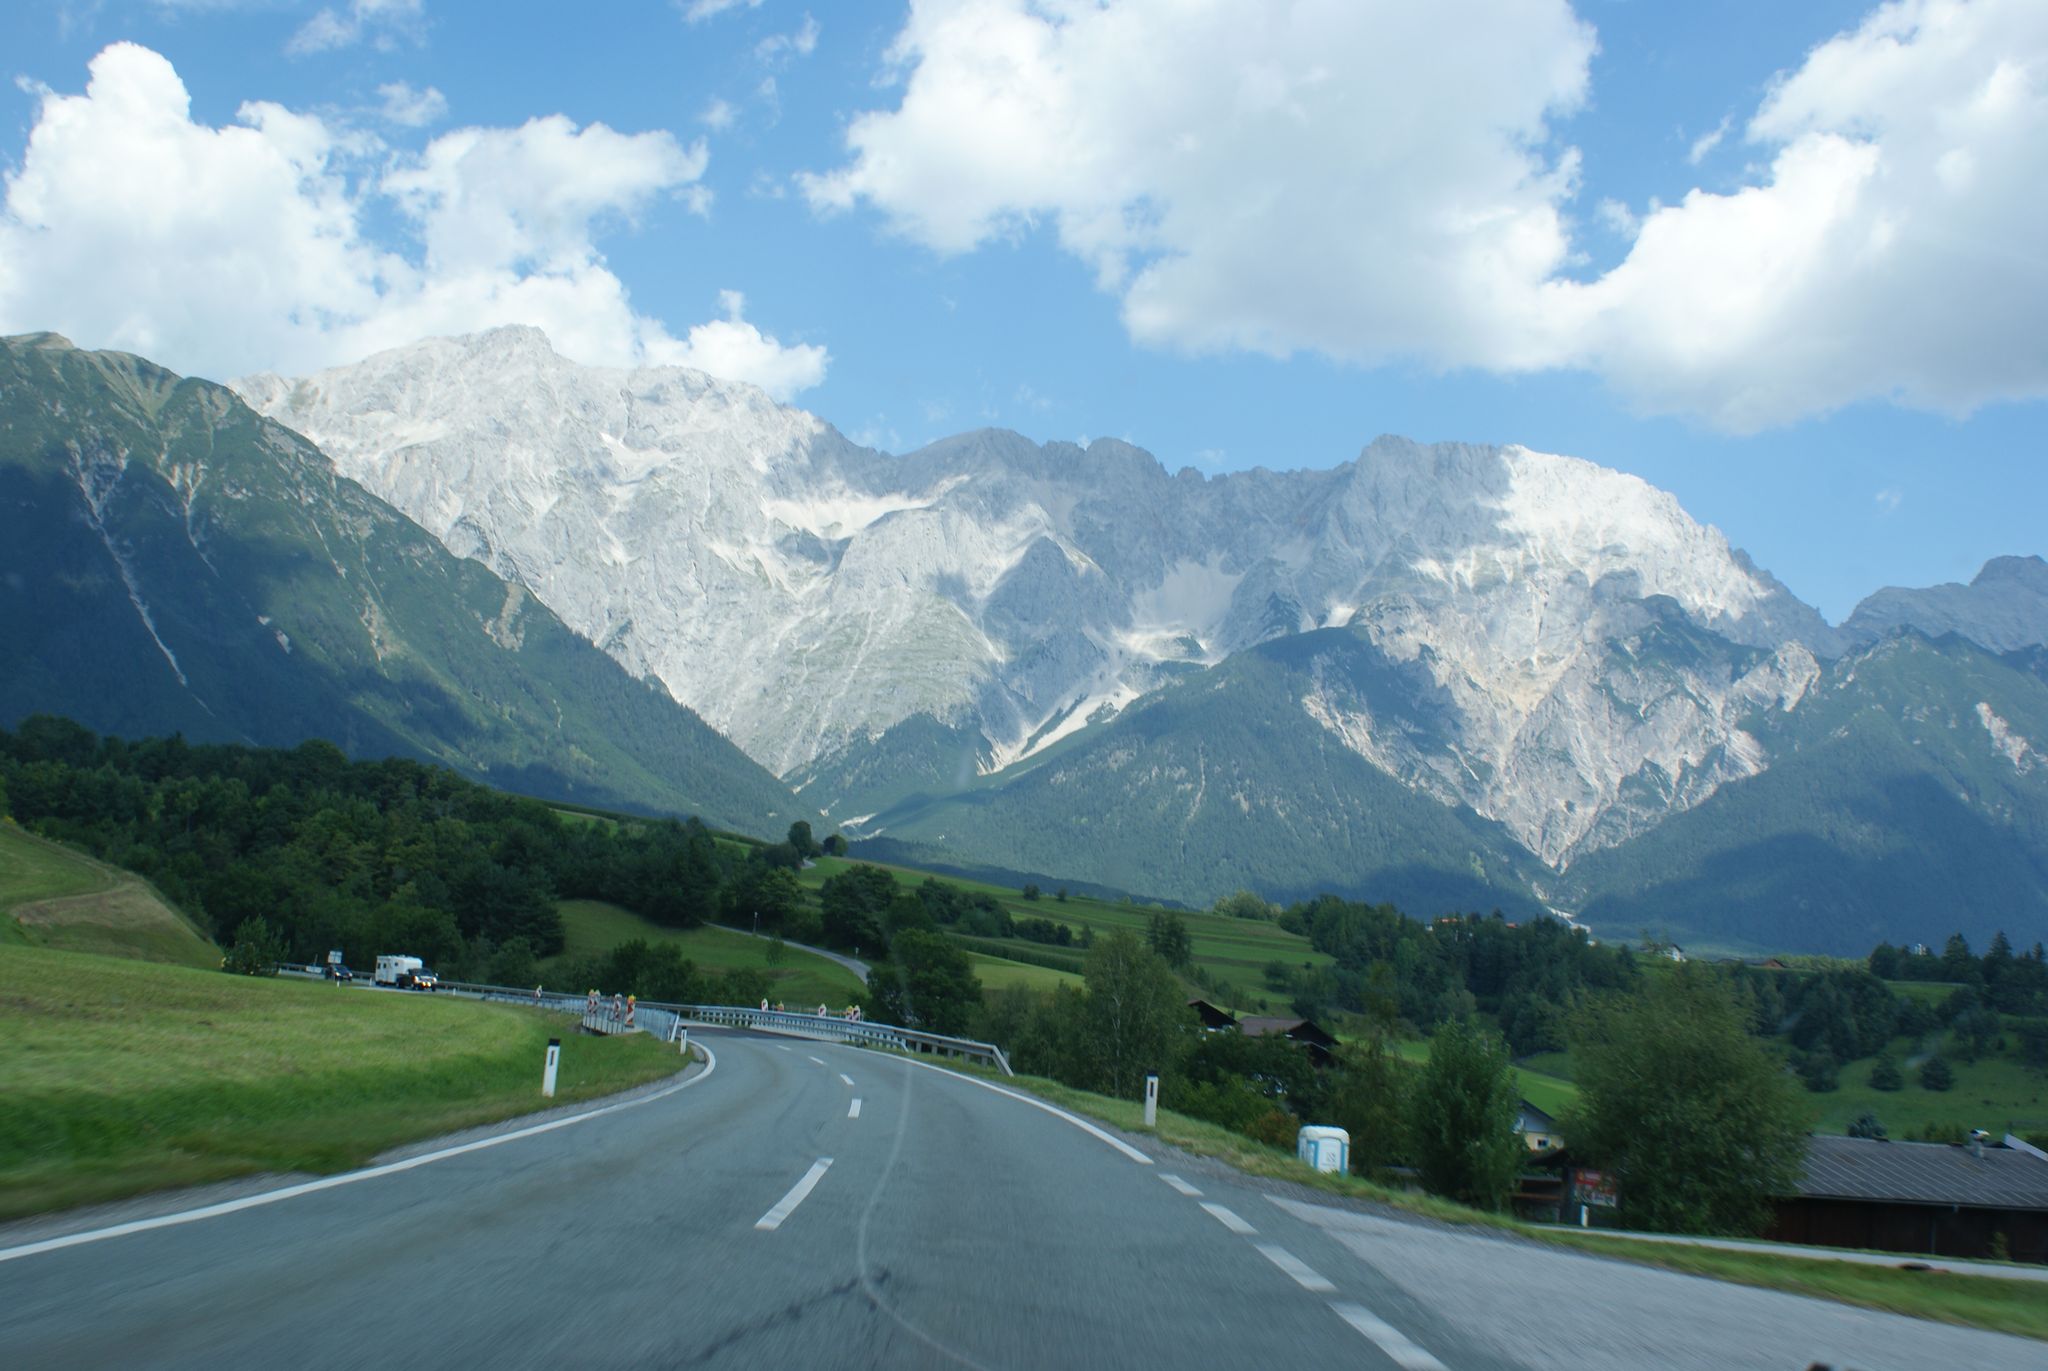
257, 950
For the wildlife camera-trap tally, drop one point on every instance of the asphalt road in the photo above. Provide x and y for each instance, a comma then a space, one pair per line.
952, 1226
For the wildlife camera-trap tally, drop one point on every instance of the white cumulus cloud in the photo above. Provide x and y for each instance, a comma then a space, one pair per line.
1380, 180
220, 251
733, 348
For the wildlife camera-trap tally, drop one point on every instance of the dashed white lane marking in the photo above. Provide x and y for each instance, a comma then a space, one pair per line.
853, 1110
213, 1211
1182, 1186
784, 1047
819, 1060
1086, 1127
1228, 1219
844, 1077
786, 1206
1305, 1276
1388, 1338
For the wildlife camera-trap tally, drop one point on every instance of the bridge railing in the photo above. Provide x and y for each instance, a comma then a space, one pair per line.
665, 1020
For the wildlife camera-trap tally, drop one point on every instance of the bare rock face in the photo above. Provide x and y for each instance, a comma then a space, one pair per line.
2005, 608
1577, 656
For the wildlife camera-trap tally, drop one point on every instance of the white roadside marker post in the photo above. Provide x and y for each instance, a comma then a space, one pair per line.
1151, 1100
547, 1076
686, 1042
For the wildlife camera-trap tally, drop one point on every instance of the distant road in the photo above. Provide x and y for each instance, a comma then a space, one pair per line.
853, 964
814, 1206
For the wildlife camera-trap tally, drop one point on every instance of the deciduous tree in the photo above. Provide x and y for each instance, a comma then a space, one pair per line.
1698, 1122
1462, 1117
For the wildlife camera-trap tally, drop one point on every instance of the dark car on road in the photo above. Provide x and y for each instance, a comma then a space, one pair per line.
337, 972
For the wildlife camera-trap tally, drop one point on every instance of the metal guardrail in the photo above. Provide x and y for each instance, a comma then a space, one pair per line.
666, 1020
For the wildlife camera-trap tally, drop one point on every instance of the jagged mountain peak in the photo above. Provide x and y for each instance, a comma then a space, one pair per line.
807, 595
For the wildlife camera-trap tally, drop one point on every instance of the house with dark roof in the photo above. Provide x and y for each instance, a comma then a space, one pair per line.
1320, 1046
1214, 1019
1941, 1199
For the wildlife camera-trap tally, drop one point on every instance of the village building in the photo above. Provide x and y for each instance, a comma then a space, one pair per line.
1976, 1199
1537, 1129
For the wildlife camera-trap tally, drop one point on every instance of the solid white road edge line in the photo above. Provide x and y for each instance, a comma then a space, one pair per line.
853, 1110
1227, 1218
1388, 1338
370, 1173
844, 1077
1182, 1186
1086, 1127
786, 1206
1305, 1276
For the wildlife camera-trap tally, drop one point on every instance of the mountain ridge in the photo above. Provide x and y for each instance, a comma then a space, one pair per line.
169, 561
808, 596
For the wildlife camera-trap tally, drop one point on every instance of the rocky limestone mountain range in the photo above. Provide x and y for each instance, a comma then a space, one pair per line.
1567, 652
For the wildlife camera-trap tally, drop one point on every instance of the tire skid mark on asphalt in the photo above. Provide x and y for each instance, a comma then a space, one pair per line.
368, 1173
786, 1206
1387, 1338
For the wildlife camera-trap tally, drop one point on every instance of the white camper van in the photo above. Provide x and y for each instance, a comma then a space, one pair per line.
404, 973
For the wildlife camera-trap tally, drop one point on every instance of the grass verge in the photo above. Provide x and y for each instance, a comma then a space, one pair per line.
2003, 1306
121, 1076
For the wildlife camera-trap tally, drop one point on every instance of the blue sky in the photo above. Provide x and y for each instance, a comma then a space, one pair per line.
1239, 233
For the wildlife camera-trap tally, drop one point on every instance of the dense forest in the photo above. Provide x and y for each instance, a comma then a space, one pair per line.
330, 853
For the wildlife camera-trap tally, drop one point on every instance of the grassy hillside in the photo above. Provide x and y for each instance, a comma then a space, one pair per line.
247, 1074
1233, 951
1997, 1093
53, 897
801, 978
1000, 973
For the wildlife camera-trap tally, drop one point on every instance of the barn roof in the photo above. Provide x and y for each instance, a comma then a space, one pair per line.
1924, 1173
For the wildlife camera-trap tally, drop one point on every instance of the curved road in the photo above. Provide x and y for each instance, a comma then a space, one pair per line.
952, 1226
